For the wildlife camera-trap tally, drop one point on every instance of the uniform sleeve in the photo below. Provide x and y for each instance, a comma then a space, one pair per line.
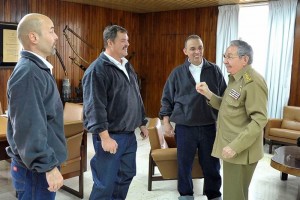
256, 110
167, 100
94, 102
29, 122
215, 101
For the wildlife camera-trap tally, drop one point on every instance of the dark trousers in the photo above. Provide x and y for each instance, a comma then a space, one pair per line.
188, 140
29, 184
113, 173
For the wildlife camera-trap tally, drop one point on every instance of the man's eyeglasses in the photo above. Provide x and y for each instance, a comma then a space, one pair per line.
230, 57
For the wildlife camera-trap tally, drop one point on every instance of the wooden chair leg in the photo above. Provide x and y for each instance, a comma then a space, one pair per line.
203, 186
150, 172
270, 146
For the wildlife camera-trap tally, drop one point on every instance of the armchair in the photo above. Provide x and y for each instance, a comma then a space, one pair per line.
285, 130
3, 140
163, 155
76, 139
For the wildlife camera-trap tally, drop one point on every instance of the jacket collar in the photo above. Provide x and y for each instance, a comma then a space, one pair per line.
240, 73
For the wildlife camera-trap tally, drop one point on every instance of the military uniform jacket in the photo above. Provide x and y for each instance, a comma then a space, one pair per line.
242, 117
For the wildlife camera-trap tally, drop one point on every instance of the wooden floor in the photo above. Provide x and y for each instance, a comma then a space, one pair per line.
266, 183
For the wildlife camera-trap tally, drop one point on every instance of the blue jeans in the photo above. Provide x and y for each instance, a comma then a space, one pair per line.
113, 173
188, 140
29, 184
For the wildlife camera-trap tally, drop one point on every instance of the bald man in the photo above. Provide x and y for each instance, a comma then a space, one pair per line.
35, 131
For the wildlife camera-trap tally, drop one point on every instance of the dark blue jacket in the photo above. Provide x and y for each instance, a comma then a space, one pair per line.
35, 130
110, 101
182, 103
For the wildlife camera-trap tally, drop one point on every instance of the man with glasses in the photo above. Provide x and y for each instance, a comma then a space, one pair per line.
195, 119
242, 117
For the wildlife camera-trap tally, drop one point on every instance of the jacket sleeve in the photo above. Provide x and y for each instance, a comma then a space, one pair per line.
222, 83
29, 121
95, 102
167, 100
136, 78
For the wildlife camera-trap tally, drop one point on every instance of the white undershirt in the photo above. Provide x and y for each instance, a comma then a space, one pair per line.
196, 71
43, 59
121, 66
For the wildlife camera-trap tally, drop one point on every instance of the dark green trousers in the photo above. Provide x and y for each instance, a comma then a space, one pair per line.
236, 180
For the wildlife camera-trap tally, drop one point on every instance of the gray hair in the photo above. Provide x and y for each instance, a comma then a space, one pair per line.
110, 33
191, 37
244, 49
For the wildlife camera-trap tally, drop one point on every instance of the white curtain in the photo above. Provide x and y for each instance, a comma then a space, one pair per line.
227, 30
281, 26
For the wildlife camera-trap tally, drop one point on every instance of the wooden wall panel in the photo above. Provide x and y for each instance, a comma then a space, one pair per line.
163, 41
295, 81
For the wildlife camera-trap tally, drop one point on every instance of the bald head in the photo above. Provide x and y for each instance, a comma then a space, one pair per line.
36, 33
30, 23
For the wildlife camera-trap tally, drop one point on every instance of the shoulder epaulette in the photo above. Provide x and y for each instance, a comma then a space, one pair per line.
247, 78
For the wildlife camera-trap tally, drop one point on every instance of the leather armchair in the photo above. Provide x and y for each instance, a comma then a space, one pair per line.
76, 138
163, 155
285, 130
3, 140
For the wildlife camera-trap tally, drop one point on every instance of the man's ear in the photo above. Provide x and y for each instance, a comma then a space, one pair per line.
33, 37
109, 42
184, 51
246, 59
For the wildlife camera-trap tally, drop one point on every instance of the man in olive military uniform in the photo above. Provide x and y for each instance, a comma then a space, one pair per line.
242, 117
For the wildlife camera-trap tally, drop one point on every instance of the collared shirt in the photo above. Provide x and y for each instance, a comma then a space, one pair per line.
119, 65
43, 59
196, 71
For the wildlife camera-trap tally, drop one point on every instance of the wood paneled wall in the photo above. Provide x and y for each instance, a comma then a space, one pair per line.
163, 36
156, 41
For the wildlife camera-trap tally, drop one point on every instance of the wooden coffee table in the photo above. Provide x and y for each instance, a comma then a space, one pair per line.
287, 160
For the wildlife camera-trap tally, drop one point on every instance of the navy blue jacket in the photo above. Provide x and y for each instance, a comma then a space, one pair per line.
35, 130
110, 101
182, 103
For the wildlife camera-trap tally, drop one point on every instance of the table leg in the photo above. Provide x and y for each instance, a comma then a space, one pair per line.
284, 176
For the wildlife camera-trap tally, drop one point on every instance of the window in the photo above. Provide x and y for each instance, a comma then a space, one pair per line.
253, 24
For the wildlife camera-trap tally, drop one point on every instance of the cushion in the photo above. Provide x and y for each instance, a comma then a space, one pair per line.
291, 118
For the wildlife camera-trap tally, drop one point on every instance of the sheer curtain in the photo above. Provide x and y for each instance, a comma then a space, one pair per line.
227, 30
281, 26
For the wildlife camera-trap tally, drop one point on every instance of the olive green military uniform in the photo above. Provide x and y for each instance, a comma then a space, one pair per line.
242, 117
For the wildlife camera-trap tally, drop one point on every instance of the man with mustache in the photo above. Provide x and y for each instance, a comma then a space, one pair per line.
242, 118
35, 131
113, 109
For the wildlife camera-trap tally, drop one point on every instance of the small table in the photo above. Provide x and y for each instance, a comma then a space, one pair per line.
287, 160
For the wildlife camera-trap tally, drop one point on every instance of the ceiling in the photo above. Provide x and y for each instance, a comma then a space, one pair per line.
147, 6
